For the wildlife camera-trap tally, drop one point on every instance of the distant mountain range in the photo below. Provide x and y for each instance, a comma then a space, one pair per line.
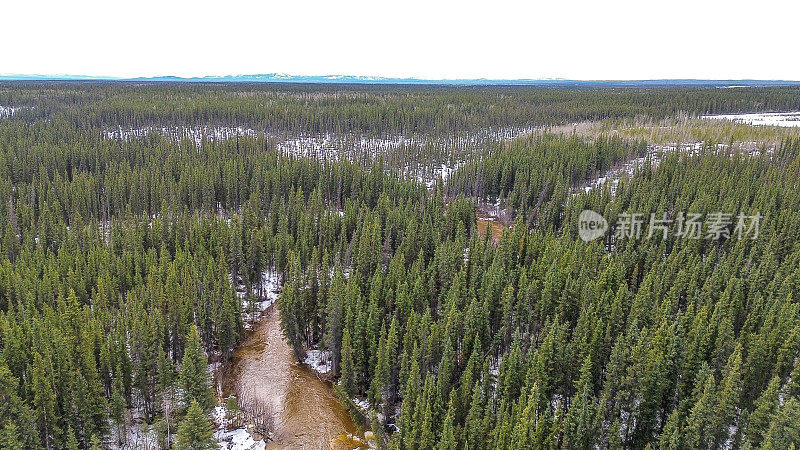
352, 79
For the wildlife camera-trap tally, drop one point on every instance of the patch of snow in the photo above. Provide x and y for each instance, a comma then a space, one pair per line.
494, 369
347, 146
773, 119
267, 292
318, 360
8, 111
362, 404
238, 439
212, 368
555, 404
271, 286
732, 430
194, 134
334, 146
138, 435
220, 416
430, 175
655, 154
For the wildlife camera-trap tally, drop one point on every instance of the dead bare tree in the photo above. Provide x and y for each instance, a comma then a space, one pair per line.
256, 411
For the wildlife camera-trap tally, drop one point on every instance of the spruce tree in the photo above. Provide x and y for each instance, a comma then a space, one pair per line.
44, 401
448, 440
348, 376
194, 376
10, 438
765, 408
195, 431
784, 431
580, 426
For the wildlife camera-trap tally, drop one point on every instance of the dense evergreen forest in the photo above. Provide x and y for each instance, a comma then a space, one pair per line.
120, 261
366, 109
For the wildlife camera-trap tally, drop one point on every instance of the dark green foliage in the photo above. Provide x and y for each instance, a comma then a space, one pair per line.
195, 432
195, 379
124, 266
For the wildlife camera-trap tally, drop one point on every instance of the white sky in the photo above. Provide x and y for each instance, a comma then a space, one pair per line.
641, 39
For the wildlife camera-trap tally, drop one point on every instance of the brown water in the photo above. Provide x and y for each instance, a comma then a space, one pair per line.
307, 412
497, 228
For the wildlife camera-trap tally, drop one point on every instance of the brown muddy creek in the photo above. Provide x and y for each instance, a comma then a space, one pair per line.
308, 414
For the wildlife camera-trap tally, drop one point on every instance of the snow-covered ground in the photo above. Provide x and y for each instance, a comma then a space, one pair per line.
195, 134
430, 175
335, 146
363, 404
346, 146
138, 434
8, 111
494, 209
270, 290
655, 153
775, 119
331, 146
318, 360
236, 438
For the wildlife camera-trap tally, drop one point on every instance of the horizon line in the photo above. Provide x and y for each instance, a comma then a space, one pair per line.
367, 79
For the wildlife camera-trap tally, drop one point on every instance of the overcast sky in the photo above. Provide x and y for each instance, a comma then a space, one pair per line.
608, 40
